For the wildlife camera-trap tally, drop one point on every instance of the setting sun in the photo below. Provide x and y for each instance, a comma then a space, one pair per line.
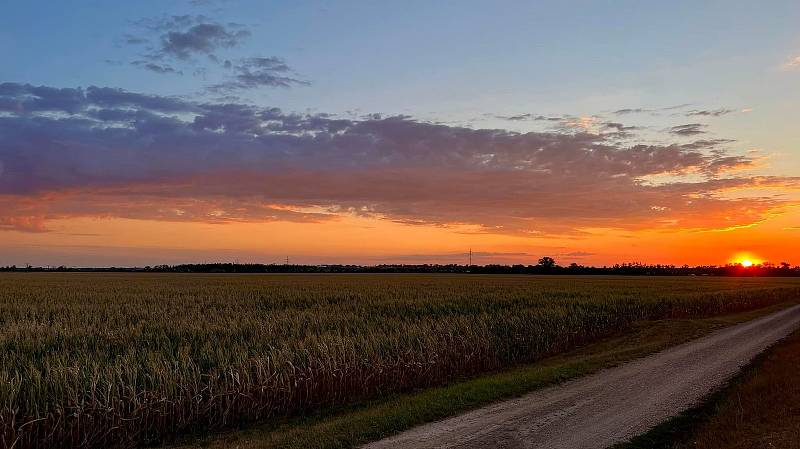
746, 259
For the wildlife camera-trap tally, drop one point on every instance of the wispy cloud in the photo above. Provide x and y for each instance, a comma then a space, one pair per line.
792, 63
251, 73
650, 111
690, 129
709, 112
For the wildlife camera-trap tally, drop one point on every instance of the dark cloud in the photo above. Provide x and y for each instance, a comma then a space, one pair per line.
157, 68
180, 39
518, 117
251, 73
691, 129
655, 111
549, 119
106, 152
706, 144
525, 117
618, 128
725, 163
632, 111
203, 38
708, 112
174, 42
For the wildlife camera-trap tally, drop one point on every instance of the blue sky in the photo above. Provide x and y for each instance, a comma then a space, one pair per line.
450, 61
450, 58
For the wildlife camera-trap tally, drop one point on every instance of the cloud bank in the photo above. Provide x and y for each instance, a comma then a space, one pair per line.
107, 152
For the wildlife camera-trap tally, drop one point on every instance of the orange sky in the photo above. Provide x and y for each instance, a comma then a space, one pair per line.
111, 241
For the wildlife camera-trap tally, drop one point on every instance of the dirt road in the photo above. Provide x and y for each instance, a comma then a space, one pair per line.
611, 406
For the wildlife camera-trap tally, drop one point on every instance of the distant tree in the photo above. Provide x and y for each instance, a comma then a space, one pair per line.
547, 262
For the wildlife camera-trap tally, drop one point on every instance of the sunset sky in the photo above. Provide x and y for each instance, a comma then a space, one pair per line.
148, 132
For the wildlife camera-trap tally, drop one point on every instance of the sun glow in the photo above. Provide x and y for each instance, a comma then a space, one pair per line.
746, 260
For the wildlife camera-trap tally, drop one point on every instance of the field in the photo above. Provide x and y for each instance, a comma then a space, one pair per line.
95, 360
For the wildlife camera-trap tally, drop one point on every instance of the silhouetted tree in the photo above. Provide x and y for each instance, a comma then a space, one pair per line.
547, 262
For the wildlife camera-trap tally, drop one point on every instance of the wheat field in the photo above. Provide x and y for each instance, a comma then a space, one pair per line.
127, 360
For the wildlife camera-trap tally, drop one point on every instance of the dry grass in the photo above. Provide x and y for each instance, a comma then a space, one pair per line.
760, 411
124, 360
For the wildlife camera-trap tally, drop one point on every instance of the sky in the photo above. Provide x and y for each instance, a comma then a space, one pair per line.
594, 132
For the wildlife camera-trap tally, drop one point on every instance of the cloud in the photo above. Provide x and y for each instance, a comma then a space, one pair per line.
618, 128
709, 112
34, 224
180, 39
729, 163
632, 111
568, 122
532, 117
652, 111
578, 254
517, 117
203, 38
107, 152
793, 63
691, 129
251, 73
174, 43
157, 68
706, 144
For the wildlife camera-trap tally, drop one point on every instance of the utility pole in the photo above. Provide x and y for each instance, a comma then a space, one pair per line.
470, 257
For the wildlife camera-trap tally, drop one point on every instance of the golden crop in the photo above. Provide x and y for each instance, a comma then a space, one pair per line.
98, 360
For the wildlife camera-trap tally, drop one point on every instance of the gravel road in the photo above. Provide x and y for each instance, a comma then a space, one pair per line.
612, 405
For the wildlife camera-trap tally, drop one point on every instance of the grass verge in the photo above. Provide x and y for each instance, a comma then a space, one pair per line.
760, 408
348, 427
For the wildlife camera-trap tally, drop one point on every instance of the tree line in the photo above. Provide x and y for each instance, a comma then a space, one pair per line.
545, 265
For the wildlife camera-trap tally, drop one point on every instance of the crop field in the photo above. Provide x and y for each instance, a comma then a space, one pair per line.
126, 360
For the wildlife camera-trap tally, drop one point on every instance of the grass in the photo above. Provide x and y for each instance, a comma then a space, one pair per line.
98, 360
354, 426
760, 408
